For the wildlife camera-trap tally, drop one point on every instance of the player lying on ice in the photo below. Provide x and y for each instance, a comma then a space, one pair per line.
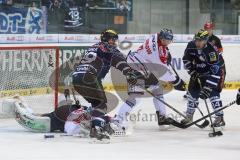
69, 118
153, 60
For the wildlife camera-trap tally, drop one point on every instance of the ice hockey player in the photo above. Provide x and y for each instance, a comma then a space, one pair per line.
152, 58
203, 63
238, 97
216, 42
213, 39
93, 67
71, 118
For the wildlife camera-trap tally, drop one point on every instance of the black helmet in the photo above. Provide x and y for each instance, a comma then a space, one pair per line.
201, 35
109, 34
166, 34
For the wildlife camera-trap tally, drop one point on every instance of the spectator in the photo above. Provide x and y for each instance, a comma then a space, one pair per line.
123, 5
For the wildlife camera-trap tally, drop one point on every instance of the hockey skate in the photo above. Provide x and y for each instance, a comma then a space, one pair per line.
164, 122
99, 135
188, 119
218, 122
119, 129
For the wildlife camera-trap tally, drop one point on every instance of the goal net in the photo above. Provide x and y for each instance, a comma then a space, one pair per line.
32, 73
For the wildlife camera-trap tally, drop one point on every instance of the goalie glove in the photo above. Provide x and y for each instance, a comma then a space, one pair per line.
205, 92
238, 97
179, 84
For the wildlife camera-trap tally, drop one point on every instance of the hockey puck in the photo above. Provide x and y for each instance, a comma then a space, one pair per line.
46, 136
218, 133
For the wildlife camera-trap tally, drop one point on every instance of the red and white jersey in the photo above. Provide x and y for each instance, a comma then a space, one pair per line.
78, 122
151, 57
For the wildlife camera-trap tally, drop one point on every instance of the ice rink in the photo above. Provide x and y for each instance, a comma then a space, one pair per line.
147, 141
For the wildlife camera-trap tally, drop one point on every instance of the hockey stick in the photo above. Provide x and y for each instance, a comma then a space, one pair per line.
215, 133
206, 122
180, 125
74, 97
173, 122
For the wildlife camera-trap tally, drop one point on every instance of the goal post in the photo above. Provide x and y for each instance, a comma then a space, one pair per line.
30, 71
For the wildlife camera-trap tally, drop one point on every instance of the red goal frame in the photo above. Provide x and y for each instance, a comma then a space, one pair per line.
57, 74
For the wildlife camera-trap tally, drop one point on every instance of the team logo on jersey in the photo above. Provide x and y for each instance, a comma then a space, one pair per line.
213, 57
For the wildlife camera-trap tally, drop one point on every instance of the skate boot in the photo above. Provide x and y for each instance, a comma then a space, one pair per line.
188, 119
218, 122
100, 129
119, 128
162, 120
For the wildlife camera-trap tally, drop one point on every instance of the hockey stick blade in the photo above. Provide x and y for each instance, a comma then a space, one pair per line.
210, 114
204, 124
218, 133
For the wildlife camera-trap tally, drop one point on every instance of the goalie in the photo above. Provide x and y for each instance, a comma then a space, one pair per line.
68, 118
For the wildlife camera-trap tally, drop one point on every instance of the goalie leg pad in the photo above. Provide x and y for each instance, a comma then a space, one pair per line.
30, 121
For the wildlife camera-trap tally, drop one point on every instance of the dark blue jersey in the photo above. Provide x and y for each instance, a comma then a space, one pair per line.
99, 58
206, 62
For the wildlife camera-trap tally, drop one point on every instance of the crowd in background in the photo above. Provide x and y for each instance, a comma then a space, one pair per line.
67, 15
53, 4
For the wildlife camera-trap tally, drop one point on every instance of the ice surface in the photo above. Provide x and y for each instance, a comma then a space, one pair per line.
146, 142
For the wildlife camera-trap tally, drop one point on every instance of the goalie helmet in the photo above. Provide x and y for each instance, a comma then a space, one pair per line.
166, 34
109, 34
201, 35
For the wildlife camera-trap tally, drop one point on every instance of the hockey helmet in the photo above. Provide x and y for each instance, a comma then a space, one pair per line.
109, 34
166, 34
201, 35
209, 25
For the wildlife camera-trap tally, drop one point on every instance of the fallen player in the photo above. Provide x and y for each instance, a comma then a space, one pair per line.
70, 119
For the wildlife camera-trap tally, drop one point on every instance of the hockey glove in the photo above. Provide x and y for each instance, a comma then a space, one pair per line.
238, 97
132, 76
205, 92
179, 84
194, 75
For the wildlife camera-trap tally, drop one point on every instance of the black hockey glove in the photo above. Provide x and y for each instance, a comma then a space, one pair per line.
238, 97
194, 75
205, 92
179, 84
132, 76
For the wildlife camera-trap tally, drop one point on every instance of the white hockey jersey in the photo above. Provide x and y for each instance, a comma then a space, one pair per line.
78, 122
151, 57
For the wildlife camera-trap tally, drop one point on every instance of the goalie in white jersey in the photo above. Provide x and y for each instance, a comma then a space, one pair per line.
152, 59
